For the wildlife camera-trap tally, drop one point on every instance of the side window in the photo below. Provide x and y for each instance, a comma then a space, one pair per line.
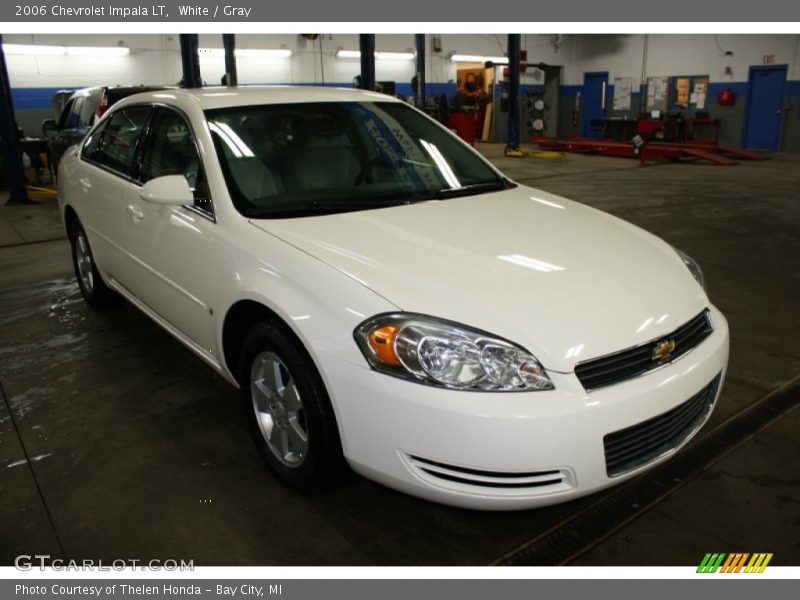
170, 150
66, 115
92, 142
120, 138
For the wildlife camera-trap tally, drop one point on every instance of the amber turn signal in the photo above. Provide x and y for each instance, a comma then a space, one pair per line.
382, 342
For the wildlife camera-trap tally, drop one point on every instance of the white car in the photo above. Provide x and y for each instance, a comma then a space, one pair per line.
382, 294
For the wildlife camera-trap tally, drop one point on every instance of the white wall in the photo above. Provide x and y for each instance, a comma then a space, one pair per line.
669, 55
155, 59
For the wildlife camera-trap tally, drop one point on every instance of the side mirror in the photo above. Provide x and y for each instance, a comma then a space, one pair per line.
48, 127
167, 190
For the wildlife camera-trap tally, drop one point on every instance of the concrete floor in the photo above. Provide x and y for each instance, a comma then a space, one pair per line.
123, 445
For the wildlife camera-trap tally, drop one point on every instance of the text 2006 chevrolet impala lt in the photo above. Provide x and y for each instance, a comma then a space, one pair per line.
381, 294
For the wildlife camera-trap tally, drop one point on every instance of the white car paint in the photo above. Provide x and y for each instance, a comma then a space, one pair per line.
565, 281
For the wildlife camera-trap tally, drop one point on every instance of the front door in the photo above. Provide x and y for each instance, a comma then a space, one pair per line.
170, 244
594, 104
764, 107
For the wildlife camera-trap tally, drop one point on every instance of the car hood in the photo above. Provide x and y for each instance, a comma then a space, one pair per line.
565, 281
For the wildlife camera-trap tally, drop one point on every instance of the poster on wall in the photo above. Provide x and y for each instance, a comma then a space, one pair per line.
657, 93
623, 88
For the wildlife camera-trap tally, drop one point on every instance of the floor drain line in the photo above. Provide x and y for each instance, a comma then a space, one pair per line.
581, 532
30, 242
39, 492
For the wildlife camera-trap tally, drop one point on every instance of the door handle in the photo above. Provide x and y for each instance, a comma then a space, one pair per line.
136, 213
85, 183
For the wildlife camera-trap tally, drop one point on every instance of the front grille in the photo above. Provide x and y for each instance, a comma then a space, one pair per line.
634, 446
488, 479
613, 368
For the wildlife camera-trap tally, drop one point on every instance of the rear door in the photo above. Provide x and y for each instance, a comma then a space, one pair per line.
169, 245
106, 184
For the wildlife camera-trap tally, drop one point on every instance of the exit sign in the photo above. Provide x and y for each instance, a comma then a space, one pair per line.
769, 59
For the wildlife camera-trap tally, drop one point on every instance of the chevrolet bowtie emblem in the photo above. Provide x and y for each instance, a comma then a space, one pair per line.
663, 349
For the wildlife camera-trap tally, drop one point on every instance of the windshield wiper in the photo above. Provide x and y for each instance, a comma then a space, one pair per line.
468, 190
309, 209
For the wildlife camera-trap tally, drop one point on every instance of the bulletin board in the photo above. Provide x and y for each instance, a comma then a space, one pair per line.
657, 94
623, 88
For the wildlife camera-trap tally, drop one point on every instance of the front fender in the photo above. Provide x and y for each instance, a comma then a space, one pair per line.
321, 305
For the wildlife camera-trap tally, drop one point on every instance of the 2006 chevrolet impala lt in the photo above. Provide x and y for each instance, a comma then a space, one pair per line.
383, 296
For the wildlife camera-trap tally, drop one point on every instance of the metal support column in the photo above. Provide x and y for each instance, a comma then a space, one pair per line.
366, 41
12, 158
229, 42
419, 40
190, 60
514, 44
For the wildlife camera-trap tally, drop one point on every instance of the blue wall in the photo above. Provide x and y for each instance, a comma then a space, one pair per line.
40, 97
33, 104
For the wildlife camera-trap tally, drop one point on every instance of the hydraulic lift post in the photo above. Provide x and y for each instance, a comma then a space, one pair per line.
366, 42
514, 44
229, 43
419, 40
12, 159
190, 60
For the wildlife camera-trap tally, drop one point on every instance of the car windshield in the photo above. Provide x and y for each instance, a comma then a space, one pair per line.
287, 160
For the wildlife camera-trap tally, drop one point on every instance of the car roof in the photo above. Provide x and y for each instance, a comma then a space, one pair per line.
224, 97
132, 89
125, 89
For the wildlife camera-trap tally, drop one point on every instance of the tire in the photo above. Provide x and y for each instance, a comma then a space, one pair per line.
95, 291
288, 410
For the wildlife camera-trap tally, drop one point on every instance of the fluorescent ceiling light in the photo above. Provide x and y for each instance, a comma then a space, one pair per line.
467, 58
379, 55
43, 50
34, 50
249, 52
498, 60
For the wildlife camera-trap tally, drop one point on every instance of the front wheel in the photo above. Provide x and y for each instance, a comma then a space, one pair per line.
288, 410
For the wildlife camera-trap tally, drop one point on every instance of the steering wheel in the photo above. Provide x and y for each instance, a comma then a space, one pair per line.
371, 164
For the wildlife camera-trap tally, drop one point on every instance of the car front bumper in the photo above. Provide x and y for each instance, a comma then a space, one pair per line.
507, 451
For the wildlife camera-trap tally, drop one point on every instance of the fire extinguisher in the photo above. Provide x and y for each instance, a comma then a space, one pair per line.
726, 98
577, 112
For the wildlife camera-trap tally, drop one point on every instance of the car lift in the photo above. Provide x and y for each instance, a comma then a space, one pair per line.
512, 149
644, 151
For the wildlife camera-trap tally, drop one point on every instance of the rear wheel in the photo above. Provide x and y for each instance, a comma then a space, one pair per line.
288, 410
96, 293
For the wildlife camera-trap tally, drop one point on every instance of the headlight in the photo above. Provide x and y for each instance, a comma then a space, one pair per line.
693, 267
445, 354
